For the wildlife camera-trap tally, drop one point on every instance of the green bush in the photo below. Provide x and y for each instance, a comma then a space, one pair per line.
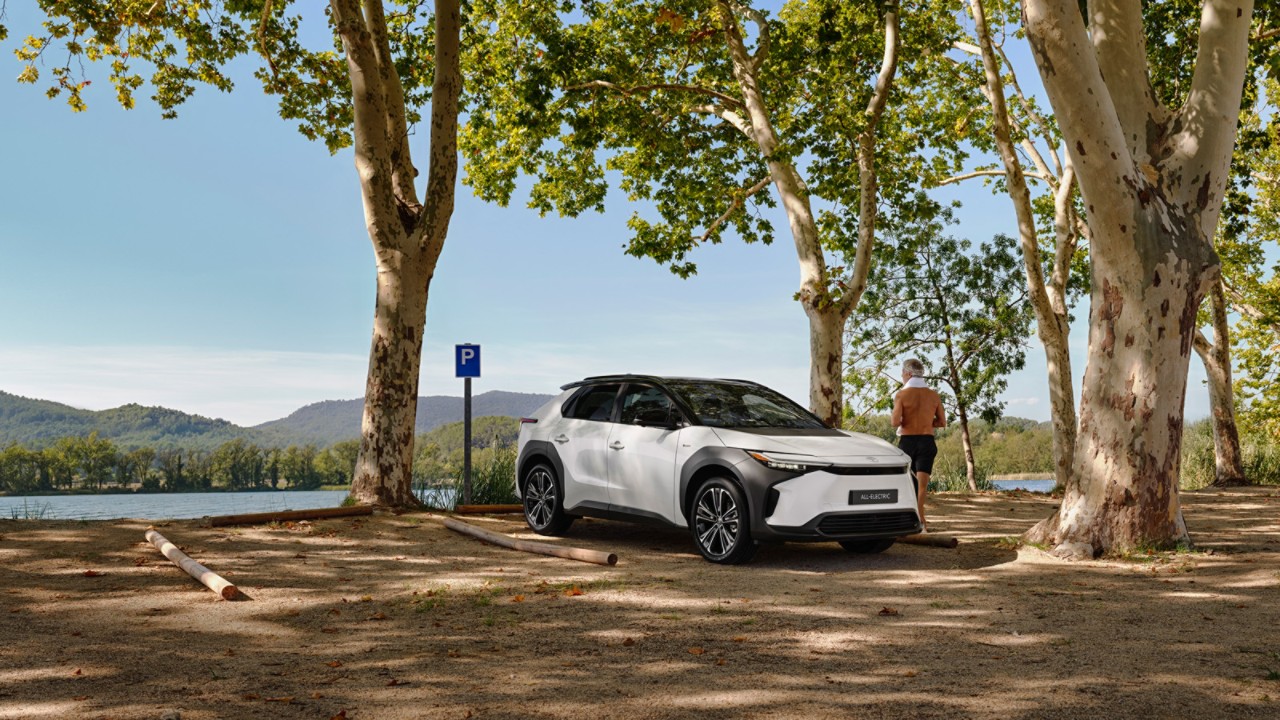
493, 479
1260, 457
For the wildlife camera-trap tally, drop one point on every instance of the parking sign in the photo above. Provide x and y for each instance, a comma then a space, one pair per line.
467, 360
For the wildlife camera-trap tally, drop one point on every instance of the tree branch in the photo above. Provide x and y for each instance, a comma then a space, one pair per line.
984, 173
628, 92
737, 203
762, 45
1029, 109
402, 170
1115, 27
442, 170
868, 185
1265, 35
729, 116
372, 156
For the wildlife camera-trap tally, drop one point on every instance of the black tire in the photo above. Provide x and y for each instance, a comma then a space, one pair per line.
544, 501
867, 547
721, 523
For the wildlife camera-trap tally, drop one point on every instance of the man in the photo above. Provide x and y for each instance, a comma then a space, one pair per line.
917, 410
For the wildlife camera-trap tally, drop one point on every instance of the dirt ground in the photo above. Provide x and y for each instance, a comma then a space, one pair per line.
397, 617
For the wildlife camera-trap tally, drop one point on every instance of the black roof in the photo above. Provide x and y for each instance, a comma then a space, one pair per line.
657, 379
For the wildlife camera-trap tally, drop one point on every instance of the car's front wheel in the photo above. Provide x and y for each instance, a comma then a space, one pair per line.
866, 547
721, 524
544, 502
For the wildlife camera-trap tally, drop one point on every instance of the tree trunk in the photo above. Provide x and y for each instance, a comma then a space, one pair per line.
1048, 303
1228, 463
826, 363
1124, 492
1153, 180
970, 467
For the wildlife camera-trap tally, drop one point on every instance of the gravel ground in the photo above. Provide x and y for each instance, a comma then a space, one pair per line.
396, 617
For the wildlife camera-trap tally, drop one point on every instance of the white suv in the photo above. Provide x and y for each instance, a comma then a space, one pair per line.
733, 461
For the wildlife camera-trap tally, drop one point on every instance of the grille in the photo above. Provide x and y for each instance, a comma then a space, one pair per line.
872, 470
886, 523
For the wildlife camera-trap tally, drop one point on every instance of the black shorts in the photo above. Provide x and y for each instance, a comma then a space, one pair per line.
922, 449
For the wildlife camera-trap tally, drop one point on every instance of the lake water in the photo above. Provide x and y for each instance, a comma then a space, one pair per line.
1040, 486
178, 506
165, 506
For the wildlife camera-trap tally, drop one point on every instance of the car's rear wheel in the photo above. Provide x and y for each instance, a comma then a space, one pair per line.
866, 547
721, 523
544, 502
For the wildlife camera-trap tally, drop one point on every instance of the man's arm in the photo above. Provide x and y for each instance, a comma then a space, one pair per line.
895, 418
939, 416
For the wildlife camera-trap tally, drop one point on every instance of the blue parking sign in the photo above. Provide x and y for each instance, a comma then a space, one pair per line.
467, 360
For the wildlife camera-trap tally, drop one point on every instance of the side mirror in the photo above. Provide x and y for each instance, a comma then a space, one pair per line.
657, 417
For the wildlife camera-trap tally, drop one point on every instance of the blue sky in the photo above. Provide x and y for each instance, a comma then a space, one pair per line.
218, 264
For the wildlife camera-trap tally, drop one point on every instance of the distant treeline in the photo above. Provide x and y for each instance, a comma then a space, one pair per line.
93, 464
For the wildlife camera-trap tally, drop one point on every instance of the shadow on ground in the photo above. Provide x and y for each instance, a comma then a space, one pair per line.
396, 617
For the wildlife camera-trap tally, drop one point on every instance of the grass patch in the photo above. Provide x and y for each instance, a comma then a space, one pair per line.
32, 511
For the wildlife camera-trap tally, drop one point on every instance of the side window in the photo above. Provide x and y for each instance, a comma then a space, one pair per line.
643, 405
595, 403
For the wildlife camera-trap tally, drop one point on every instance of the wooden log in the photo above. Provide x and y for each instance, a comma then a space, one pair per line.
598, 557
930, 539
488, 509
209, 578
316, 514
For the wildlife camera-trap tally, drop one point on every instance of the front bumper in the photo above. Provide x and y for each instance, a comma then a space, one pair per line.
824, 505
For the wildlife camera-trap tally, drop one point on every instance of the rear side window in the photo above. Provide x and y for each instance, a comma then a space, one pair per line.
594, 403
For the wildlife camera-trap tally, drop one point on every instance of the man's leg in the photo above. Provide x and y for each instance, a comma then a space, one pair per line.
922, 483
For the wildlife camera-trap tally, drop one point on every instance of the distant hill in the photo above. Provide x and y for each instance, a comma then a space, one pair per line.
325, 423
36, 423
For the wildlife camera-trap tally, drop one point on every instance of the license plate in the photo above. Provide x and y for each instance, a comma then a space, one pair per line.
872, 497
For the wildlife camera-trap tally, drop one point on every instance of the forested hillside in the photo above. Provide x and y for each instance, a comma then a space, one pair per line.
37, 423
40, 423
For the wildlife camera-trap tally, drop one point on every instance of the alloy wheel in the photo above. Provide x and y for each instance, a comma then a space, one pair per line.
717, 521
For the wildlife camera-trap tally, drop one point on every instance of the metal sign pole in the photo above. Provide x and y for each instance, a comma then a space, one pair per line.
466, 443
467, 363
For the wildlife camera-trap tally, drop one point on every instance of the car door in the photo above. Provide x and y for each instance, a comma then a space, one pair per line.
642, 453
580, 439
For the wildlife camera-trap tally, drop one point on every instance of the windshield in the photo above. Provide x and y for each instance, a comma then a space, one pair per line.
732, 405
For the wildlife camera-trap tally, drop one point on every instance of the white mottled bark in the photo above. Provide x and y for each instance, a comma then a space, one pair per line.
1216, 356
407, 234
827, 312
1048, 302
1152, 181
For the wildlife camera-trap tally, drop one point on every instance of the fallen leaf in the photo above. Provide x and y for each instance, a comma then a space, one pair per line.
329, 630
378, 616
628, 642
334, 663
78, 672
696, 651
454, 654
342, 715
740, 638
888, 611
251, 696
92, 573
909, 673
366, 598
720, 661
140, 561
229, 652
573, 591
317, 695
80, 698
518, 598
394, 682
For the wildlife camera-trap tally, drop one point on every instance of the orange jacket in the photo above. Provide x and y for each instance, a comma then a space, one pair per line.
918, 410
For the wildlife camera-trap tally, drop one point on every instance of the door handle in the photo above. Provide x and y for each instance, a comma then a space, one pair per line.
617, 445
561, 438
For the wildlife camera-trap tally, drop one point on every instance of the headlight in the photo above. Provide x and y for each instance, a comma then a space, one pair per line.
786, 464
